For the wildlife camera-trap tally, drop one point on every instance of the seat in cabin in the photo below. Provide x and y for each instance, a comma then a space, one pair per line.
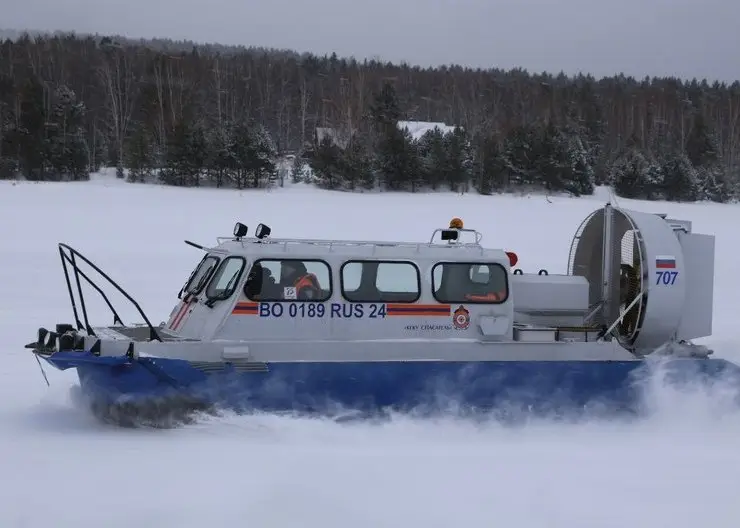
260, 283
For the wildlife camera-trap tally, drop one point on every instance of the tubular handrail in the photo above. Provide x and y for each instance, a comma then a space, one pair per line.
71, 259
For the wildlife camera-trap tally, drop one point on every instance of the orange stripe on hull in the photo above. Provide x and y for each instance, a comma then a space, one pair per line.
418, 310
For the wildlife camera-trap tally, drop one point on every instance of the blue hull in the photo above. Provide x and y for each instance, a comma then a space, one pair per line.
148, 385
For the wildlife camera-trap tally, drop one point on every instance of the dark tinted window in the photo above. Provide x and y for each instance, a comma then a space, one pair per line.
470, 282
289, 280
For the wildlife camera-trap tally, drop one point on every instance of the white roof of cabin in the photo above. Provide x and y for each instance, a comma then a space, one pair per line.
287, 248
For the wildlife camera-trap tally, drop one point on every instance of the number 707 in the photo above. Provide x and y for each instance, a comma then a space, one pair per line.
666, 277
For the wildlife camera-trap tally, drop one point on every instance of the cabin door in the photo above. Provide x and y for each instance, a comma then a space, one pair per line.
194, 319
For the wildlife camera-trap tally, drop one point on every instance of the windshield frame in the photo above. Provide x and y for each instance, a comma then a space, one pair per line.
202, 274
234, 281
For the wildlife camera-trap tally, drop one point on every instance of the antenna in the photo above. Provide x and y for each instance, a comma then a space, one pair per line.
189, 243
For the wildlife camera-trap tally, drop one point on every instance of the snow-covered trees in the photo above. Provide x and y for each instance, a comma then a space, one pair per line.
65, 141
184, 114
48, 138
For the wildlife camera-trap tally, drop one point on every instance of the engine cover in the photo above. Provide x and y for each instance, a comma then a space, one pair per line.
549, 294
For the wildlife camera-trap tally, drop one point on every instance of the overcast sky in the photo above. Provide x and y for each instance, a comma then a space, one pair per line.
684, 38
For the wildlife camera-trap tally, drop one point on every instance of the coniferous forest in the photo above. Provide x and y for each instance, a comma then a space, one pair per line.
189, 115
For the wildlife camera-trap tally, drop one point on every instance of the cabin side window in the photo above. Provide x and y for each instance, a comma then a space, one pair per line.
470, 282
200, 276
226, 278
274, 280
380, 281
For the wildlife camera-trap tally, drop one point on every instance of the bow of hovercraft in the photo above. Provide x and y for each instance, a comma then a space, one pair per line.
120, 386
120, 382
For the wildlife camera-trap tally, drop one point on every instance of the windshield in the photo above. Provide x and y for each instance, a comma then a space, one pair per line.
199, 277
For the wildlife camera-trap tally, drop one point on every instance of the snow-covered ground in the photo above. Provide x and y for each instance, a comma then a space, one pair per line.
59, 468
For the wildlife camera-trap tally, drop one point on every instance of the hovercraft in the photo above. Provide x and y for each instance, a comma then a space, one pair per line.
324, 326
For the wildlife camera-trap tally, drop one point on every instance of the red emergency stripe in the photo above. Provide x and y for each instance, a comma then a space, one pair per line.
173, 314
245, 308
183, 315
179, 316
418, 310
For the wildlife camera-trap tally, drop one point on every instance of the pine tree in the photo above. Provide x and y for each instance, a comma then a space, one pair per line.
396, 155
627, 173
489, 167
712, 183
261, 159
654, 178
301, 171
701, 143
357, 165
67, 151
680, 180
398, 161
197, 154
521, 154
459, 167
702, 151
580, 180
139, 156
8, 164
240, 153
98, 147
585, 119
187, 152
433, 158
580, 140
221, 155
29, 134
553, 159
562, 162
327, 164
385, 110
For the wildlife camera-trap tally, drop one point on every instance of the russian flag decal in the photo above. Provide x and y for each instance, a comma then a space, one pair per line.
665, 262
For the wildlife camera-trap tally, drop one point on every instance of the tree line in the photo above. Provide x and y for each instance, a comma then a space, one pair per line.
190, 115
